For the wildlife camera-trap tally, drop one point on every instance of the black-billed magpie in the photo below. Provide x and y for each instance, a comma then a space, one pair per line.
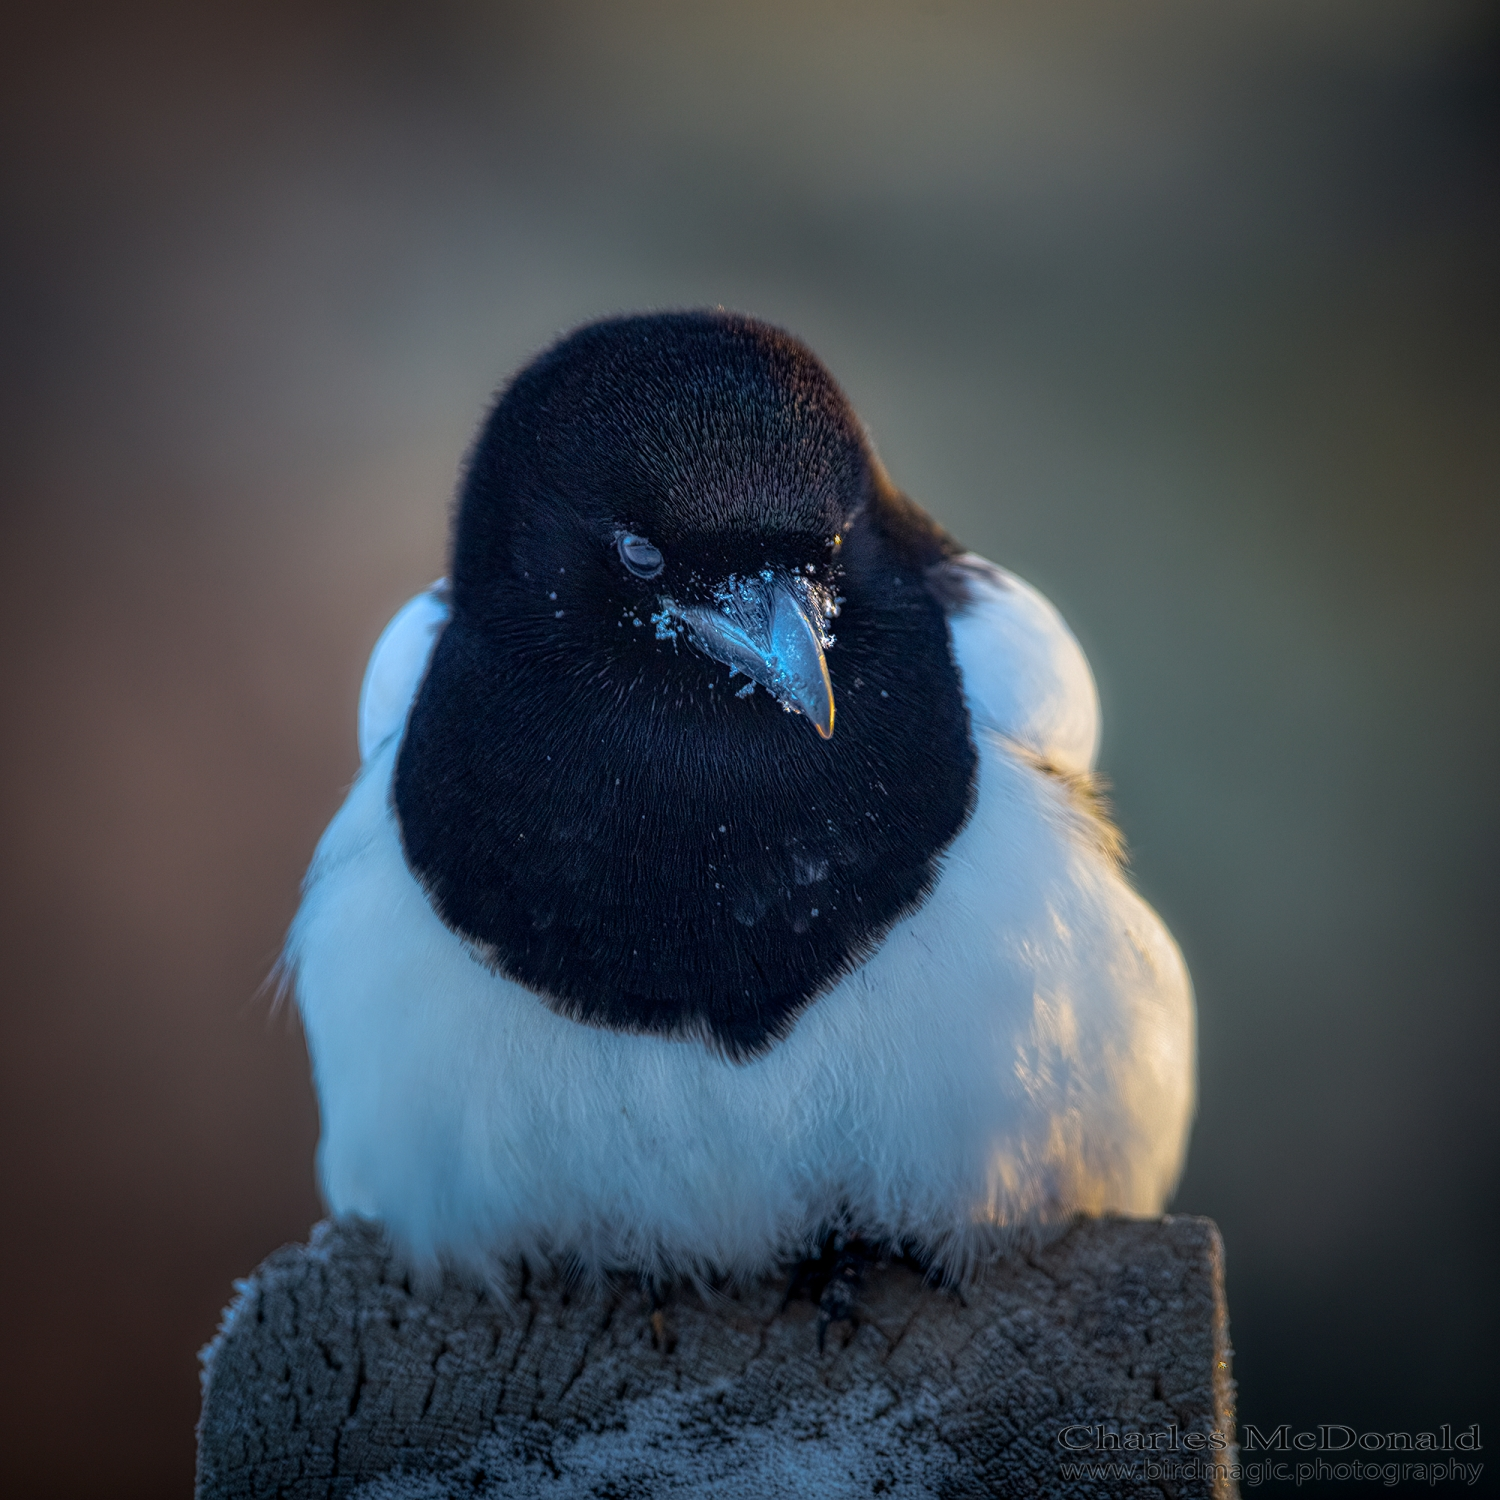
725, 863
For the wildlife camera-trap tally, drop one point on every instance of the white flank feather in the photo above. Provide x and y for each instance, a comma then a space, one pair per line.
1020, 1049
397, 666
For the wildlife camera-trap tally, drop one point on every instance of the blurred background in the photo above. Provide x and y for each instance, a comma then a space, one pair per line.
1187, 312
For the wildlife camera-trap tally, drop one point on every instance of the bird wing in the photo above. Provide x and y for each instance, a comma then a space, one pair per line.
397, 666
1025, 676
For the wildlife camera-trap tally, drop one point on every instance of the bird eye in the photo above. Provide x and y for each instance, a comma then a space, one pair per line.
640, 556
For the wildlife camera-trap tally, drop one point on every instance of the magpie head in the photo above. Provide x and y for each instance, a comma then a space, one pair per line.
682, 481
675, 564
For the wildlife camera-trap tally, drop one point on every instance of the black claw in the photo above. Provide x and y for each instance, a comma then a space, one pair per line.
663, 1335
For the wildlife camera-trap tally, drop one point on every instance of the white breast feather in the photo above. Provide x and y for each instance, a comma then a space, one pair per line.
1020, 1049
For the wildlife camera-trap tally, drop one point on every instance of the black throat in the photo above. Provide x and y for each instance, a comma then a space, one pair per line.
606, 817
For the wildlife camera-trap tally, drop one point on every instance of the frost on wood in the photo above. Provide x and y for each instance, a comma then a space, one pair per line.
333, 1376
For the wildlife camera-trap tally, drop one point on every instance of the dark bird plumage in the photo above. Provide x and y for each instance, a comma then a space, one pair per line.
709, 882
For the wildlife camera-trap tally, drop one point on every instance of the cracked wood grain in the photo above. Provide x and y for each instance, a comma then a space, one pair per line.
334, 1378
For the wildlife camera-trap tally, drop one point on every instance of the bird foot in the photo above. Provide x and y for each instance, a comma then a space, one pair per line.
833, 1279
837, 1303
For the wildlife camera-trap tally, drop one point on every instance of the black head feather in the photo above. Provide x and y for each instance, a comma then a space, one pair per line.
596, 806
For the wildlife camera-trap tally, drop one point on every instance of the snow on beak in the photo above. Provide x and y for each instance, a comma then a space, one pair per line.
770, 627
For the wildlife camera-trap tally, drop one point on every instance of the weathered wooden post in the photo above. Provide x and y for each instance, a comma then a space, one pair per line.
1096, 1365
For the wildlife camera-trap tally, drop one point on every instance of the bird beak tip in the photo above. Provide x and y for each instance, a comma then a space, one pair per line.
782, 649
